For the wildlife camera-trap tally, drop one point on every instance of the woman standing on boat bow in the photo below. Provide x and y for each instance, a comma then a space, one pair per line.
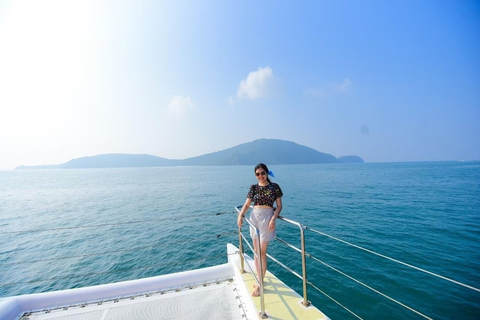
263, 194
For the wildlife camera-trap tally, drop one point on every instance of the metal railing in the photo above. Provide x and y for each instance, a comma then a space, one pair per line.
259, 279
258, 255
305, 254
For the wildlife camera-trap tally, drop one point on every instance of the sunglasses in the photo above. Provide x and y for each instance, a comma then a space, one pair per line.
260, 173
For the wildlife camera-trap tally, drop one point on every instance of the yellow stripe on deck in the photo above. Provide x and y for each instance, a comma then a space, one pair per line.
281, 302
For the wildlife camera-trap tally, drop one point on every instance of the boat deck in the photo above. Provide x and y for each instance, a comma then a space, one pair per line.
219, 292
213, 301
219, 300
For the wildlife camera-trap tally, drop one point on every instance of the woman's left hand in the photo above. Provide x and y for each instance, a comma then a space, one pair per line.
271, 224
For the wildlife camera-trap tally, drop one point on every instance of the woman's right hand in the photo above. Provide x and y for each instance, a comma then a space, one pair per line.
240, 221
244, 210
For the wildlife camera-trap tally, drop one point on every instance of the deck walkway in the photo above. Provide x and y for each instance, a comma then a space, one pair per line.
281, 302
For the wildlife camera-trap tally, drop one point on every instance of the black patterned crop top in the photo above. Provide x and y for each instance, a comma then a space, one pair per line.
264, 195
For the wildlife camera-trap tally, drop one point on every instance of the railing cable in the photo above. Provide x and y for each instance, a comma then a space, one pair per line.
395, 260
300, 277
338, 303
367, 286
321, 291
344, 274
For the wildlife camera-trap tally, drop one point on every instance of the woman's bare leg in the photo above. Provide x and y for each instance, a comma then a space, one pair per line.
263, 257
264, 245
257, 265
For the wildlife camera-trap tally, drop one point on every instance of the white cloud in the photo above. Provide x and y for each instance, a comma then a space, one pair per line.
180, 105
331, 89
319, 92
231, 101
258, 84
344, 86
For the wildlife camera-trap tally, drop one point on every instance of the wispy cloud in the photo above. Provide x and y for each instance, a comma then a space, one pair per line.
179, 105
258, 84
330, 89
231, 101
343, 87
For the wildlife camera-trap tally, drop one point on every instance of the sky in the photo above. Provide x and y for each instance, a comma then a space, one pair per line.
389, 81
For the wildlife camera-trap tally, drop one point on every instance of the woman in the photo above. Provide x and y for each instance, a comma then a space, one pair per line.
263, 194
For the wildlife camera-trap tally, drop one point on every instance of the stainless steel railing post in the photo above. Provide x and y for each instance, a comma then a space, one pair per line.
304, 262
257, 255
306, 303
240, 247
260, 275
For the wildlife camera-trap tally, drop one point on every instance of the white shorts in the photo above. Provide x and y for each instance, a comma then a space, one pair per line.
260, 218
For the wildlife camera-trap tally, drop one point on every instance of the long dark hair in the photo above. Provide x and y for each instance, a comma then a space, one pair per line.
264, 167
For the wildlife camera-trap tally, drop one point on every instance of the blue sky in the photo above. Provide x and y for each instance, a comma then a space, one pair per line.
385, 80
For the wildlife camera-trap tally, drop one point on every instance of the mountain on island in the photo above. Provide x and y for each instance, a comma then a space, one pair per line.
269, 151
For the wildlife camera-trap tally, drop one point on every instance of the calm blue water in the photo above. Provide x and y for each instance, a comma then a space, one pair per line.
70, 228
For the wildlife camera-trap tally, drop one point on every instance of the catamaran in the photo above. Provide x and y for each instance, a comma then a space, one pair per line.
222, 291
219, 292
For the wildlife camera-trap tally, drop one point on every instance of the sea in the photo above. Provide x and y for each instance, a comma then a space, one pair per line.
69, 228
